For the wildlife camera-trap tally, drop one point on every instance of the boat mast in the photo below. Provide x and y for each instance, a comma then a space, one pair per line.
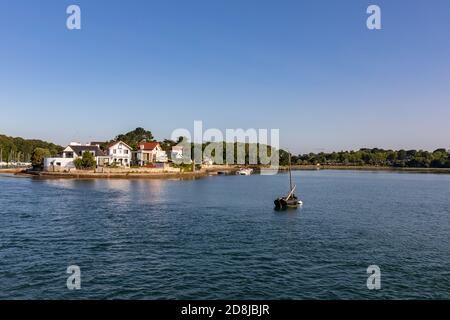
290, 175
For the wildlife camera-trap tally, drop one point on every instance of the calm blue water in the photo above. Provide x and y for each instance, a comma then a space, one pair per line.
219, 238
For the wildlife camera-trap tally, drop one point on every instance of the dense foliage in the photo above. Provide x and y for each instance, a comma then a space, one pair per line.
235, 149
87, 161
439, 158
37, 158
167, 144
21, 150
132, 138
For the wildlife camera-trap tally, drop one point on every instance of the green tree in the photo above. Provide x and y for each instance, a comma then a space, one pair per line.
19, 149
439, 158
401, 155
167, 144
37, 158
132, 138
87, 161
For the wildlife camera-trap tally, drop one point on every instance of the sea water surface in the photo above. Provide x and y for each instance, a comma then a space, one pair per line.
219, 237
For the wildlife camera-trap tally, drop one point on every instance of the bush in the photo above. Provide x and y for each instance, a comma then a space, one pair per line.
87, 161
37, 158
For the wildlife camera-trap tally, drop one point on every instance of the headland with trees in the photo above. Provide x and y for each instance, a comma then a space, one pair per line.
34, 150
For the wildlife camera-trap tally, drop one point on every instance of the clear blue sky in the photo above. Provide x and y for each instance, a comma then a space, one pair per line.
310, 68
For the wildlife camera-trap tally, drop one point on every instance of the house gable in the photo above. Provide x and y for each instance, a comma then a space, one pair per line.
119, 145
119, 149
149, 146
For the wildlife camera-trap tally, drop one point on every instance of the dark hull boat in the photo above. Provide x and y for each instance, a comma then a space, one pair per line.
283, 203
290, 201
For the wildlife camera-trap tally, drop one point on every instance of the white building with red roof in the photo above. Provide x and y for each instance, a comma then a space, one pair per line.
149, 152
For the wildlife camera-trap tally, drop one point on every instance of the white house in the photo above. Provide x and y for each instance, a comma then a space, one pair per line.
180, 154
177, 153
73, 151
149, 152
207, 161
119, 153
58, 163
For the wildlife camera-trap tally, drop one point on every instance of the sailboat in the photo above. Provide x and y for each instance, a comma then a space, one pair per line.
245, 172
291, 200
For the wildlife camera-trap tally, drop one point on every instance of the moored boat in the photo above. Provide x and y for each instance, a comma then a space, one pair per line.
291, 200
245, 172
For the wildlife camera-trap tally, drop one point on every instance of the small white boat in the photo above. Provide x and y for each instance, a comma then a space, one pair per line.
245, 172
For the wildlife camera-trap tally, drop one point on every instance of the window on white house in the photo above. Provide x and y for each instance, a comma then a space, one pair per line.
114, 151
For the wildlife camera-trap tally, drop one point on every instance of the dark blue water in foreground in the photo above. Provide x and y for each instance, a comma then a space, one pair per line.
219, 238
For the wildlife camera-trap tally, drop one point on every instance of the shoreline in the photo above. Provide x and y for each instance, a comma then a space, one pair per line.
12, 170
366, 168
205, 173
125, 175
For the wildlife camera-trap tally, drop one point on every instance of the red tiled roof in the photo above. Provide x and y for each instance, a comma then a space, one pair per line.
148, 145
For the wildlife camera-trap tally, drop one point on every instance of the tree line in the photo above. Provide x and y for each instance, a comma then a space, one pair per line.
439, 158
16, 149
26, 150
134, 137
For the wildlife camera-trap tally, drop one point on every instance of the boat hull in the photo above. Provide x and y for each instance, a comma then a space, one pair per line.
283, 204
245, 172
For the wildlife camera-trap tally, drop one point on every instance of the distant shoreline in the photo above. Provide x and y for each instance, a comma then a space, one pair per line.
367, 168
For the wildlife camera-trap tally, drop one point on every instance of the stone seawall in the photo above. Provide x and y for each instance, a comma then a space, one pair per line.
166, 169
130, 173
11, 170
